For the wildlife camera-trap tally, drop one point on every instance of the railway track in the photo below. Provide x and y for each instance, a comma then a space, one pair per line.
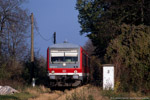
85, 91
56, 93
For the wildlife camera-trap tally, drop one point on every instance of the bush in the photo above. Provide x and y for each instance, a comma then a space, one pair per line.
4, 72
39, 71
130, 52
96, 71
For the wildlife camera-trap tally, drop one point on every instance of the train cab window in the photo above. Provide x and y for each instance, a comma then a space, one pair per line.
68, 57
71, 59
57, 59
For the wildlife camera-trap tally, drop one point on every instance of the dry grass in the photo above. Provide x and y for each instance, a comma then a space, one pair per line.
37, 91
87, 92
43, 93
125, 95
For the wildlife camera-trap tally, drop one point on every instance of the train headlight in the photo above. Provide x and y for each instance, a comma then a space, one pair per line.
75, 71
64, 64
52, 71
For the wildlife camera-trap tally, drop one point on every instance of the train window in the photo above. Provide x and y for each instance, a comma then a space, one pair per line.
71, 59
59, 54
71, 54
58, 57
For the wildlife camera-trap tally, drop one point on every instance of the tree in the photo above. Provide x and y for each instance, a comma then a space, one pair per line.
89, 47
95, 65
130, 52
119, 30
14, 22
101, 20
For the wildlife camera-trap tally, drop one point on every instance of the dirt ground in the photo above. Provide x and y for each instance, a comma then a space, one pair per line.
90, 93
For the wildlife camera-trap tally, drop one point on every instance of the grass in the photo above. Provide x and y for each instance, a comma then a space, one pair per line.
26, 93
16, 96
90, 92
125, 95
87, 92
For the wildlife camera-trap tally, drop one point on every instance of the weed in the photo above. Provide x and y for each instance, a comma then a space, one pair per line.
85, 93
16, 96
26, 93
90, 97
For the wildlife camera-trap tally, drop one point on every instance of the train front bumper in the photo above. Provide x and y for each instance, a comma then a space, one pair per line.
59, 77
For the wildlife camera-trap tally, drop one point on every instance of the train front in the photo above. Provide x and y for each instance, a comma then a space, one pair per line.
63, 63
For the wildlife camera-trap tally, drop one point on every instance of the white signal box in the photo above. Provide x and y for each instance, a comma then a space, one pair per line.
108, 77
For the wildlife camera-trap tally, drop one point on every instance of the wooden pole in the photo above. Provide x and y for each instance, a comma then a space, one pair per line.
32, 51
32, 39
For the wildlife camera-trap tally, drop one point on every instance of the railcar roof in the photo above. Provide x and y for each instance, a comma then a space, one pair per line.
65, 45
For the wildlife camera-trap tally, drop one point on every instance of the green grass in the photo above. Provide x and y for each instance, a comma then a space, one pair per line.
26, 93
16, 96
124, 95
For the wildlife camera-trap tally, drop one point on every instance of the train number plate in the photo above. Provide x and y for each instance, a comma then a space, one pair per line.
53, 66
64, 71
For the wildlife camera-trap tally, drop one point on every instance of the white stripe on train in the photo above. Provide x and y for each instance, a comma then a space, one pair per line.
80, 74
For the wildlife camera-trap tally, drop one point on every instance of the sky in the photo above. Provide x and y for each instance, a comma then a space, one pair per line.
58, 16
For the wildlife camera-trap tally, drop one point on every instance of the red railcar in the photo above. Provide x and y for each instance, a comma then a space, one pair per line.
67, 64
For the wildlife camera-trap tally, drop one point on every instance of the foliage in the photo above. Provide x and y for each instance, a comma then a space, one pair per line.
119, 30
14, 24
95, 65
130, 52
89, 47
3, 72
101, 19
38, 71
95, 71
41, 71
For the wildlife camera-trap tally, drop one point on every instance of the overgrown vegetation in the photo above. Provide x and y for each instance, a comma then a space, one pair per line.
14, 24
87, 92
26, 93
124, 95
40, 72
15, 66
96, 66
119, 31
130, 52
18, 96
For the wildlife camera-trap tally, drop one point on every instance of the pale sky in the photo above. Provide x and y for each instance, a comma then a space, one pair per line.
58, 16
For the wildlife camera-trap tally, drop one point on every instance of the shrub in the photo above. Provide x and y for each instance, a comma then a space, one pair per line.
130, 52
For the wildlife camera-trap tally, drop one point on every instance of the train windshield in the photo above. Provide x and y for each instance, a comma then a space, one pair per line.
64, 56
